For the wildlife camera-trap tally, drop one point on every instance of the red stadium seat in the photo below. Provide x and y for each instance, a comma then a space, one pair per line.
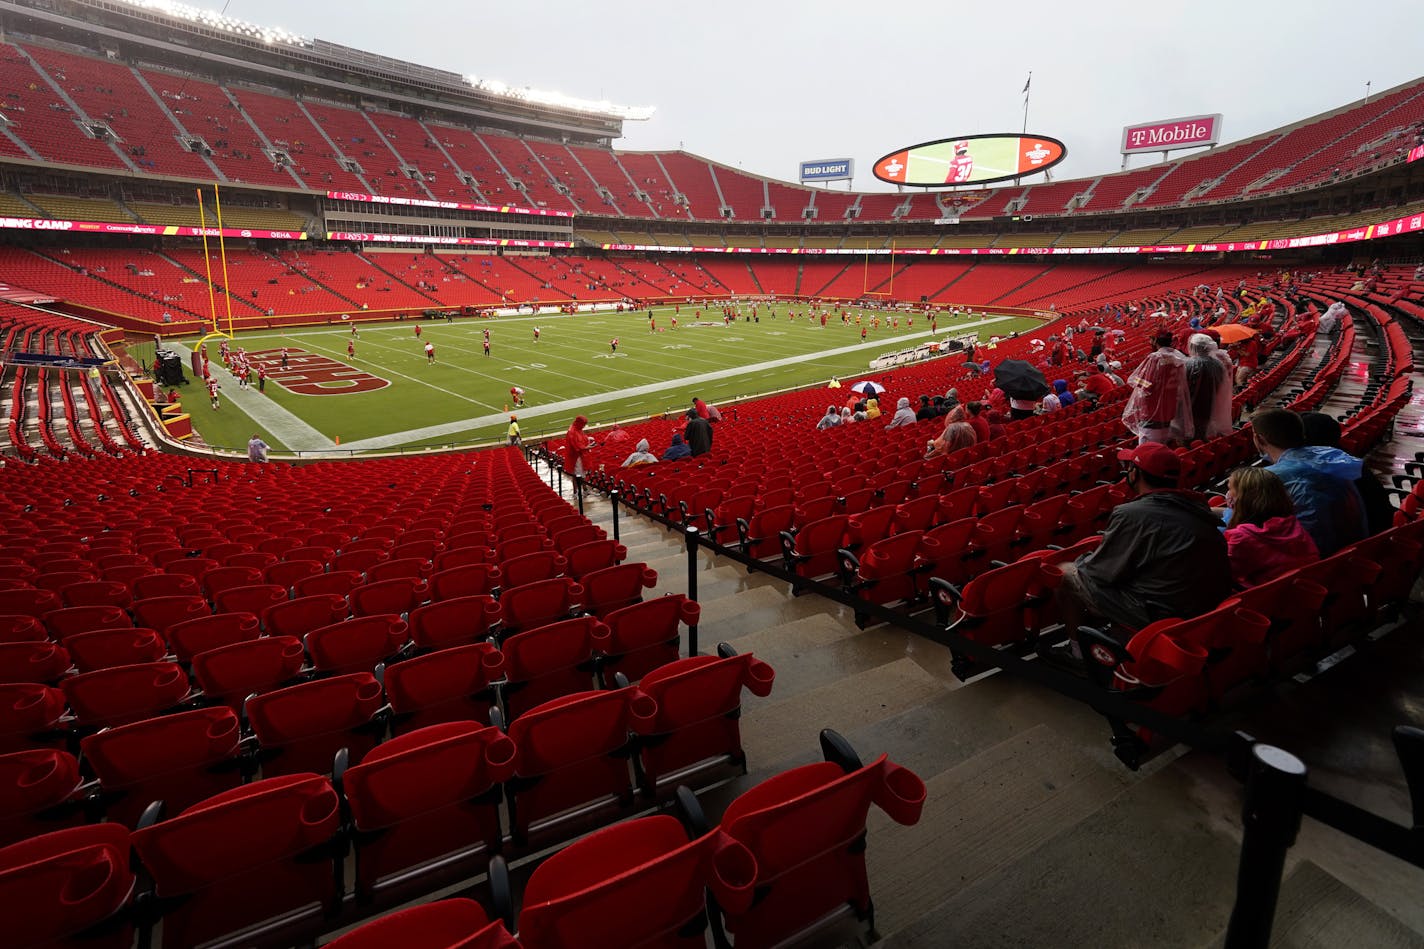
445, 924
535, 604
450, 685
398, 595
646, 635
453, 622
164, 612
229, 674
122, 694
33, 662
178, 759
357, 645
39, 793
193, 636
106, 648
304, 614
551, 661
476, 579
71, 883
301, 727
31, 716
257, 859
427, 801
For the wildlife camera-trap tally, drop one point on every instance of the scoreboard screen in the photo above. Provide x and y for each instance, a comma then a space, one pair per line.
970, 159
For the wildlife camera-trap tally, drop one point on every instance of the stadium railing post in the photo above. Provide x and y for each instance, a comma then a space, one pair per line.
692, 586
1275, 792
613, 500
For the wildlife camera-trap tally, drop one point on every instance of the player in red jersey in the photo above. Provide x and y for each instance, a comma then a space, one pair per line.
961, 166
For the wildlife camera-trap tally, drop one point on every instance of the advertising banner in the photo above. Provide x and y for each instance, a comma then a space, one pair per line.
1415, 154
1169, 134
445, 205
828, 169
443, 241
159, 230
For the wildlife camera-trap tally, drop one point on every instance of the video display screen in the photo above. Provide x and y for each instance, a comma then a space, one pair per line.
970, 159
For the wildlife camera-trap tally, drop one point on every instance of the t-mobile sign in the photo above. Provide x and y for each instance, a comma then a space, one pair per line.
1416, 154
1169, 134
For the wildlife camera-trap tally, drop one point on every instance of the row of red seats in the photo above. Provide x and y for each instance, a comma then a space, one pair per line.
265, 860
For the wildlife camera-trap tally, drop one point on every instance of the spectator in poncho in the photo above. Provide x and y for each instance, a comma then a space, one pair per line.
1157, 410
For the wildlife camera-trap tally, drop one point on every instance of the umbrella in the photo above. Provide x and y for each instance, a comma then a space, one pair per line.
1020, 380
868, 388
1234, 333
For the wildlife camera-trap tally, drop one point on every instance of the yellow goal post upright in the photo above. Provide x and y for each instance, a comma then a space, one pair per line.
215, 330
865, 290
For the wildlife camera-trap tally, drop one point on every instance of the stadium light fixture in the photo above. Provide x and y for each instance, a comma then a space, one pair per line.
635, 113
218, 21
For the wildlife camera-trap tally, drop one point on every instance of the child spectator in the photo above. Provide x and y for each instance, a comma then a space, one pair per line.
1263, 537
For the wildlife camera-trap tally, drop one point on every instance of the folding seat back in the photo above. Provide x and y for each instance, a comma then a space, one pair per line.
258, 859
585, 558
398, 595
121, 694
1348, 575
178, 759
229, 674
71, 883
698, 703
287, 572
427, 797
194, 567
481, 537
451, 685
164, 612
222, 551
357, 560
336, 582
615, 587
31, 716
412, 567
106, 648
805, 830
519, 546
320, 556
555, 526
996, 536
474, 579
550, 661
128, 573
573, 752
301, 727
1042, 522
357, 645
639, 883
944, 550
529, 568
79, 619
535, 604
96, 593
884, 571
39, 793
643, 636
445, 924
1154, 669
191, 637
304, 614
61, 580
813, 550
869, 526
34, 603
42, 661
721, 521
222, 579
259, 560
1235, 641
17, 628
453, 622
517, 526
918, 514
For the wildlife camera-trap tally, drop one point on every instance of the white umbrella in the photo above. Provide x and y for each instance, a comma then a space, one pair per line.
868, 388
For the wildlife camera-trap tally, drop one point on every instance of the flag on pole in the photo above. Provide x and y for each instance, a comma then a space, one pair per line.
1027, 83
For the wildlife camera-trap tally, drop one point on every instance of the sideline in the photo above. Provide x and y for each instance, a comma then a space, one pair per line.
290, 429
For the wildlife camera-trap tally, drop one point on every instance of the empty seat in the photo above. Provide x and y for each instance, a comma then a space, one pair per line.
33, 662
164, 612
614, 587
106, 648
255, 598
805, 831
304, 614
357, 645
73, 882
193, 636
39, 793
31, 715
108, 697
427, 797
698, 711
550, 661
398, 595
476, 579
535, 604
229, 674
258, 859
178, 759
301, 727
445, 924
450, 685
453, 622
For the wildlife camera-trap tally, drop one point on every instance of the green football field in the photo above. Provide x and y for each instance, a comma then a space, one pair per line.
463, 397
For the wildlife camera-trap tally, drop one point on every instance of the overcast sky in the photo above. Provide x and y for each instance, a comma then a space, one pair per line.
763, 85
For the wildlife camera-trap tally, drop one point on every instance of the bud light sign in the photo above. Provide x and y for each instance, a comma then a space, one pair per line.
829, 169
1170, 134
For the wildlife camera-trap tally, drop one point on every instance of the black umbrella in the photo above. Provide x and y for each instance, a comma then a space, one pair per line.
1020, 380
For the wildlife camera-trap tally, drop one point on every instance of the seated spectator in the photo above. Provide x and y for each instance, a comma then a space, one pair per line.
974, 415
1321, 480
872, 408
858, 413
678, 450
951, 399
1263, 537
1049, 403
640, 456
1060, 389
1162, 556
956, 435
846, 416
831, 419
904, 415
1322, 430
926, 410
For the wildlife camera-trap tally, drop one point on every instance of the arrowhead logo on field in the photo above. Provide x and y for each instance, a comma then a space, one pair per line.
677, 346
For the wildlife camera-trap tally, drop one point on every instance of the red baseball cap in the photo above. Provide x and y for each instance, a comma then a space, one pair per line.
1155, 459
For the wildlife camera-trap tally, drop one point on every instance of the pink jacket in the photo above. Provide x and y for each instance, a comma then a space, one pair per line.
1263, 553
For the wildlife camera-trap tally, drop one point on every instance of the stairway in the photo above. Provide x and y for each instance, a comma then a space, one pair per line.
212, 166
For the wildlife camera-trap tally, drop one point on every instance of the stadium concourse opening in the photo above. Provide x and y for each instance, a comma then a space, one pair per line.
485, 532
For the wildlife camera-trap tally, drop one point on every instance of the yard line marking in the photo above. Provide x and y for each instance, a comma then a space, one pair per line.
287, 427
